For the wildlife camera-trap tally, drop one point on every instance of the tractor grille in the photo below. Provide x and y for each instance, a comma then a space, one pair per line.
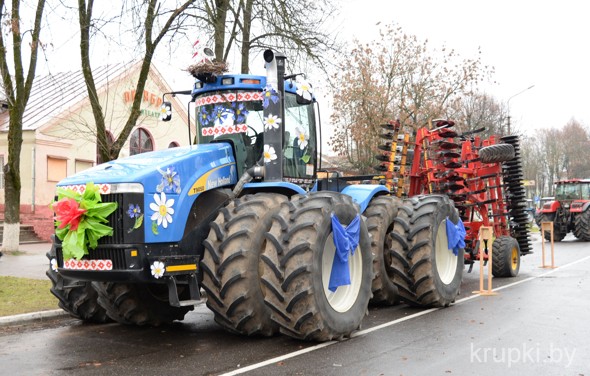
120, 221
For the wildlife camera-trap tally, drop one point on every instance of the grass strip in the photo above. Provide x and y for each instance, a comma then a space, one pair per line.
24, 295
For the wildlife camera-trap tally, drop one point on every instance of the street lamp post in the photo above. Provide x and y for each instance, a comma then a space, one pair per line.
508, 104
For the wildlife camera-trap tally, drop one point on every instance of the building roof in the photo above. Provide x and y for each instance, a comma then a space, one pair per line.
56, 93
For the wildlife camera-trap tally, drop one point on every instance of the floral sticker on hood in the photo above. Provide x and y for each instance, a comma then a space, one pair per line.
170, 182
163, 211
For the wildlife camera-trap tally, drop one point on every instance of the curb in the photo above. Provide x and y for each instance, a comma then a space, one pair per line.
26, 317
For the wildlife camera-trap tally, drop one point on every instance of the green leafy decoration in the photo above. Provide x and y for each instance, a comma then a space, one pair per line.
80, 220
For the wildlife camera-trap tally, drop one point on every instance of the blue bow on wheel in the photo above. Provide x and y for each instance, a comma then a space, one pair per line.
346, 239
456, 235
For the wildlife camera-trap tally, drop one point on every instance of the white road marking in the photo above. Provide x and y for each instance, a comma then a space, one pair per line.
387, 324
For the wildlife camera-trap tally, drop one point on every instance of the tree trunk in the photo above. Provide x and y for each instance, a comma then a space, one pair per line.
220, 16
247, 25
12, 187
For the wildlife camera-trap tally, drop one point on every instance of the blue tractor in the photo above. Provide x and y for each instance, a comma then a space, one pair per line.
241, 217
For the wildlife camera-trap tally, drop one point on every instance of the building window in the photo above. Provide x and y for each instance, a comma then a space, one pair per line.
141, 142
173, 144
57, 168
1, 172
110, 140
82, 165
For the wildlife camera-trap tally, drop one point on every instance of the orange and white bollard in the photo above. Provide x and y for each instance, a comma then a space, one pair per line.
485, 238
547, 226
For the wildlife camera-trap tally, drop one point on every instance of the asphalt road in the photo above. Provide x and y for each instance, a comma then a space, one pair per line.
535, 325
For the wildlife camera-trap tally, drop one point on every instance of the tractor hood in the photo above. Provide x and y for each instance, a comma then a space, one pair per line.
140, 168
174, 177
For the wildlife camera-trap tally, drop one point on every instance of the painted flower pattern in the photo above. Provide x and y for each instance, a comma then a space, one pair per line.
269, 94
272, 122
304, 89
158, 268
240, 112
163, 210
165, 112
53, 264
269, 153
134, 211
219, 115
301, 138
170, 182
203, 115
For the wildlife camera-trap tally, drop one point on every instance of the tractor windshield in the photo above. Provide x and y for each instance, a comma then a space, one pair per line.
240, 112
568, 192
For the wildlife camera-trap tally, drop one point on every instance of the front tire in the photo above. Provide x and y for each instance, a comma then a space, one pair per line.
231, 276
138, 304
78, 298
557, 236
297, 263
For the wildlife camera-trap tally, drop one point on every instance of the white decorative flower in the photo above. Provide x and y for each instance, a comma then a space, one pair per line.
304, 89
158, 269
301, 138
269, 153
272, 122
53, 264
165, 112
162, 209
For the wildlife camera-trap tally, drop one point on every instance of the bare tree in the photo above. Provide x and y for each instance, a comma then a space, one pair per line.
479, 110
297, 28
157, 22
17, 88
577, 152
396, 76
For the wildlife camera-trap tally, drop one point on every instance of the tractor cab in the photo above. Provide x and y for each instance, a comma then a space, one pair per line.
269, 121
231, 109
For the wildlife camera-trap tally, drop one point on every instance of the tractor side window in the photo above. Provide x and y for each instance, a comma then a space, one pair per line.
585, 191
300, 141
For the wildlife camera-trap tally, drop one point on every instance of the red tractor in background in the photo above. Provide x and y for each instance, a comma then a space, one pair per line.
569, 211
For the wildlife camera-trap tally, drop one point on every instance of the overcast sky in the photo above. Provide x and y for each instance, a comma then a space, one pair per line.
540, 43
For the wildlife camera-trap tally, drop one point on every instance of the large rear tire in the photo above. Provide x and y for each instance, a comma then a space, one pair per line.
78, 298
138, 304
427, 273
582, 226
231, 276
506, 257
380, 215
296, 266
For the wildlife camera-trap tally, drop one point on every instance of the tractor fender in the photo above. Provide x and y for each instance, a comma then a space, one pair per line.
586, 206
363, 193
282, 187
550, 207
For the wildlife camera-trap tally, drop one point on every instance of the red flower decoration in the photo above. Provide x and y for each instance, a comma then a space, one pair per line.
68, 212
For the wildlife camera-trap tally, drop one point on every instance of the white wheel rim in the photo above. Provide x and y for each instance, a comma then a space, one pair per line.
446, 261
345, 296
